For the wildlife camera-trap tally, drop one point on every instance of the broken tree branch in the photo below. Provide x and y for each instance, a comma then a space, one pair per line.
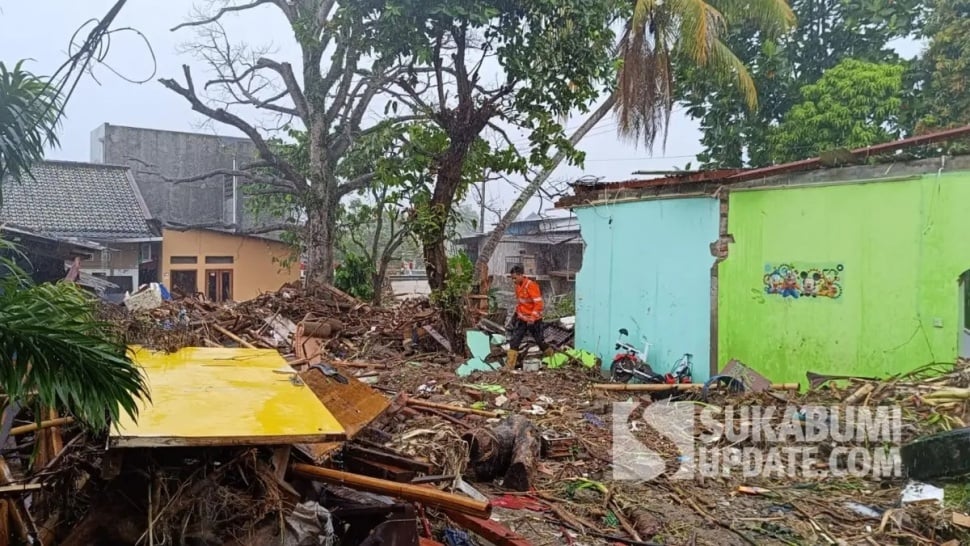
219, 14
447, 407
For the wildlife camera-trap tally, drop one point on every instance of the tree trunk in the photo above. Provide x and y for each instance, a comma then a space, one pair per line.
434, 238
491, 243
321, 211
380, 275
510, 450
321, 226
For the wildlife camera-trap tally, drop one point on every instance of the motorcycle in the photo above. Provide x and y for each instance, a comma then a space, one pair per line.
630, 365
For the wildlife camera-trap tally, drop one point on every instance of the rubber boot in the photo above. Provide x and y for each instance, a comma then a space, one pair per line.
511, 358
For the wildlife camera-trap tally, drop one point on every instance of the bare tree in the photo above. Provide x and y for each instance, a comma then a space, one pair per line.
329, 99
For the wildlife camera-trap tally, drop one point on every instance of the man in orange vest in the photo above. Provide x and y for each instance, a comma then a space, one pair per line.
528, 316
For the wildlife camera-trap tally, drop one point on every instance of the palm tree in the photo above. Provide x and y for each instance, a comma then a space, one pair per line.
29, 109
53, 352
657, 34
662, 32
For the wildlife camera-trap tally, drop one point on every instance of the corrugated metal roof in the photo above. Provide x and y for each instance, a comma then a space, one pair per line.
85, 200
552, 238
729, 176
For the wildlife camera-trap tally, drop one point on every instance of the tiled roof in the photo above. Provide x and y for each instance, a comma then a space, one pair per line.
77, 199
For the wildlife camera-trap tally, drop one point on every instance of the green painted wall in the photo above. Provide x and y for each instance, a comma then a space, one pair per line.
902, 245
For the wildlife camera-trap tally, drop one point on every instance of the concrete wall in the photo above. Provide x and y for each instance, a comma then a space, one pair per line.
155, 156
897, 249
255, 266
647, 268
122, 260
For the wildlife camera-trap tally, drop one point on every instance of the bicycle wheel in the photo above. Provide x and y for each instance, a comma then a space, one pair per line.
618, 375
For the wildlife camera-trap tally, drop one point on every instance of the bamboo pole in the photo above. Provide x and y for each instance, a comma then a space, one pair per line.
446, 407
233, 337
24, 429
414, 493
654, 387
861, 393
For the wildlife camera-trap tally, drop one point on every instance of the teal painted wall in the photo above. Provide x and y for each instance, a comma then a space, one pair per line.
647, 268
902, 246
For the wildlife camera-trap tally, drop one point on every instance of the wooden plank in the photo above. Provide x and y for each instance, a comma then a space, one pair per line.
4, 523
388, 458
438, 337
16, 508
223, 397
111, 464
319, 453
354, 405
281, 460
434, 479
219, 441
490, 530
380, 470
19, 488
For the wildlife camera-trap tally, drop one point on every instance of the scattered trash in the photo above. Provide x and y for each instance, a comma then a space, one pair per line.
864, 511
594, 420
456, 537
491, 389
519, 502
921, 492
480, 346
753, 490
309, 524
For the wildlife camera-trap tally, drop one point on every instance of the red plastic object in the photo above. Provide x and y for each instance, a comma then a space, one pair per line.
519, 502
490, 530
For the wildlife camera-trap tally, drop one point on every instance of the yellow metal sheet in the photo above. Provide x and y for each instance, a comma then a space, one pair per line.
212, 396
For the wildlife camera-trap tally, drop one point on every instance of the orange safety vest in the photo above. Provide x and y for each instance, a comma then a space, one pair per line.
529, 298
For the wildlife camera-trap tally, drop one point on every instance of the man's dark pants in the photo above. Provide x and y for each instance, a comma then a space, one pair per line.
520, 328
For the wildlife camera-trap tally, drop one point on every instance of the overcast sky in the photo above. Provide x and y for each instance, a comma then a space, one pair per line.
40, 30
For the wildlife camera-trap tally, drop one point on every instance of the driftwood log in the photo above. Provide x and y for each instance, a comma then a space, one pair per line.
509, 450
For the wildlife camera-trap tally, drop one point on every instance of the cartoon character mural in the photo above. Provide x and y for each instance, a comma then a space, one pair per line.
791, 281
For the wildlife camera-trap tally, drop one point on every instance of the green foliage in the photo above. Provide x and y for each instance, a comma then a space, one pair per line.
50, 341
940, 92
828, 32
51, 344
854, 104
688, 34
554, 57
565, 307
355, 276
28, 117
458, 284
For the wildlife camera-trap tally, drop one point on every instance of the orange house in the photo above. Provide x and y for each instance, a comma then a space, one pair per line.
225, 266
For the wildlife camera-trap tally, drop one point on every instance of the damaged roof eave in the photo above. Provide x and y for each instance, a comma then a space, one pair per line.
708, 183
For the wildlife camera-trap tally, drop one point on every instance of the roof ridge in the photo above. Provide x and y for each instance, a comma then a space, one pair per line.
81, 163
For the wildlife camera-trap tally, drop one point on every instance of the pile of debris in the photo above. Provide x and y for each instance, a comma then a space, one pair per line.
354, 329
409, 450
